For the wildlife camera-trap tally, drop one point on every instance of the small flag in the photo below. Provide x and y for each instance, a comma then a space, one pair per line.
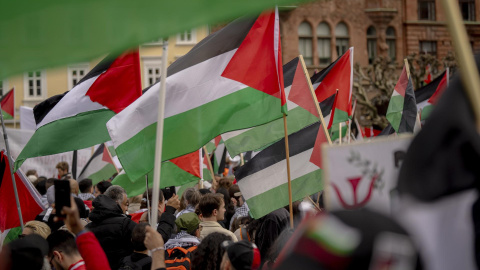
8, 104
99, 167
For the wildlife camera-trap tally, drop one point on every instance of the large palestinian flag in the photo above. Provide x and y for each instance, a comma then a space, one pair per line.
77, 118
8, 105
30, 201
440, 83
100, 166
263, 180
402, 109
230, 80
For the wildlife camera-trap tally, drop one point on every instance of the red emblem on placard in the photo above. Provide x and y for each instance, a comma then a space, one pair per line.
354, 181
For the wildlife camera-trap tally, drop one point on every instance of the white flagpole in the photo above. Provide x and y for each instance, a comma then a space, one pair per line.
159, 138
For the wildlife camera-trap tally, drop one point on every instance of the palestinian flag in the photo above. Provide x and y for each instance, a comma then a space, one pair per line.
175, 172
30, 201
8, 104
263, 180
427, 106
231, 80
402, 109
100, 166
339, 78
77, 118
301, 112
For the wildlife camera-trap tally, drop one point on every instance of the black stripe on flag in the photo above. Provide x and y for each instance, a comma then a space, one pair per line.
316, 78
299, 142
97, 153
426, 92
228, 38
289, 71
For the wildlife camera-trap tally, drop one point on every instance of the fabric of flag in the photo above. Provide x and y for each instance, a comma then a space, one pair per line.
99, 167
441, 85
402, 109
230, 80
439, 175
30, 201
263, 179
339, 78
77, 118
8, 104
301, 112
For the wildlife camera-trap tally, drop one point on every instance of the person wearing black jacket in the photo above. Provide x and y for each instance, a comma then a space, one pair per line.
111, 226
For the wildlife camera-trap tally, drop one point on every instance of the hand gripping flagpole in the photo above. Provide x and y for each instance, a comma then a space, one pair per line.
10, 162
159, 138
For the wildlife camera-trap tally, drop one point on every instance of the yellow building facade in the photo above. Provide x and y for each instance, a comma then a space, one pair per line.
34, 87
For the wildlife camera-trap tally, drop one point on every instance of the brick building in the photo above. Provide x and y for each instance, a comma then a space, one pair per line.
322, 30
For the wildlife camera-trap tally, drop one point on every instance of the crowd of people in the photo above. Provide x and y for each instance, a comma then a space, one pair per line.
205, 228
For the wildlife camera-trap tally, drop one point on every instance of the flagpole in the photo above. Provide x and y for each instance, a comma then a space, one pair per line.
349, 130
148, 201
468, 68
287, 155
407, 68
14, 120
242, 160
210, 167
74, 165
111, 158
315, 100
340, 133
159, 136
10, 162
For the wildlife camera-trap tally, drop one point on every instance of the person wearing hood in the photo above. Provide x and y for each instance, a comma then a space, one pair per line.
111, 226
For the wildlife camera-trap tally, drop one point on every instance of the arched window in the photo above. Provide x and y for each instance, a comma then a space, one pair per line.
371, 44
323, 44
391, 42
341, 38
305, 42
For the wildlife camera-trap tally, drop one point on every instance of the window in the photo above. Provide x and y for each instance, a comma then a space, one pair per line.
341, 36
151, 71
323, 44
426, 10
391, 42
371, 44
187, 37
305, 42
428, 47
35, 84
76, 73
467, 7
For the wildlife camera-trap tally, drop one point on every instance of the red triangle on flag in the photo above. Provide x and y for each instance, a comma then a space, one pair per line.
438, 92
107, 157
217, 140
300, 91
120, 84
316, 157
7, 102
189, 163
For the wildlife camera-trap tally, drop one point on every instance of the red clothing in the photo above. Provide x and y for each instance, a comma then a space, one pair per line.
89, 204
91, 252
80, 265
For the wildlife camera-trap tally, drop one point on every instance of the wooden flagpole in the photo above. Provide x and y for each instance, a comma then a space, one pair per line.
210, 166
407, 68
315, 100
111, 158
159, 136
242, 160
340, 133
466, 63
287, 155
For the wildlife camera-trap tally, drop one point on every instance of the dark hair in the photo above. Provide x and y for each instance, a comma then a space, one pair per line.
204, 191
138, 236
50, 182
85, 185
82, 211
150, 195
62, 166
232, 190
62, 241
226, 196
224, 183
31, 172
208, 203
102, 186
41, 187
277, 246
209, 253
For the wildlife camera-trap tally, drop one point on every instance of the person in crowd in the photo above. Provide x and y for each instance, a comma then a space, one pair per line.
229, 208
240, 255
35, 226
190, 198
241, 227
86, 190
204, 191
212, 208
188, 231
139, 259
63, 252
242, 207
49, 182
28, 252
74, 189
134, 203
209, 253
101, 187
32, 175
224, 183
111, 226
154, 243
269, 228
42, 189
62, 168
276, 248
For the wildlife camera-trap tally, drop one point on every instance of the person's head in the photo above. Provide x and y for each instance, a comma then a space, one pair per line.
190, 223
41, 187
241, 255
73, 186
85, 186
62, 168
26, 253
82, 211
36, 227
63, 250
212, 207
118, 194
149, 193
204, 191
225, 195
101, 187
49, 182
224, 183
235, 193
138, 237
191, 197
32, 172
209, 252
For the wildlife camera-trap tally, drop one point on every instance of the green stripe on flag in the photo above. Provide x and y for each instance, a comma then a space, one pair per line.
104, 174
340, 117
395, 110
185, 186
6, 116
426, 111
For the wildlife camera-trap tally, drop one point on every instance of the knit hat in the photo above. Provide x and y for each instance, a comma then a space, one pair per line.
187, 222
243, 255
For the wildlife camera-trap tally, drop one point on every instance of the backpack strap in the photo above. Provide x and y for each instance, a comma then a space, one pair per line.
144, 261
244, 234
